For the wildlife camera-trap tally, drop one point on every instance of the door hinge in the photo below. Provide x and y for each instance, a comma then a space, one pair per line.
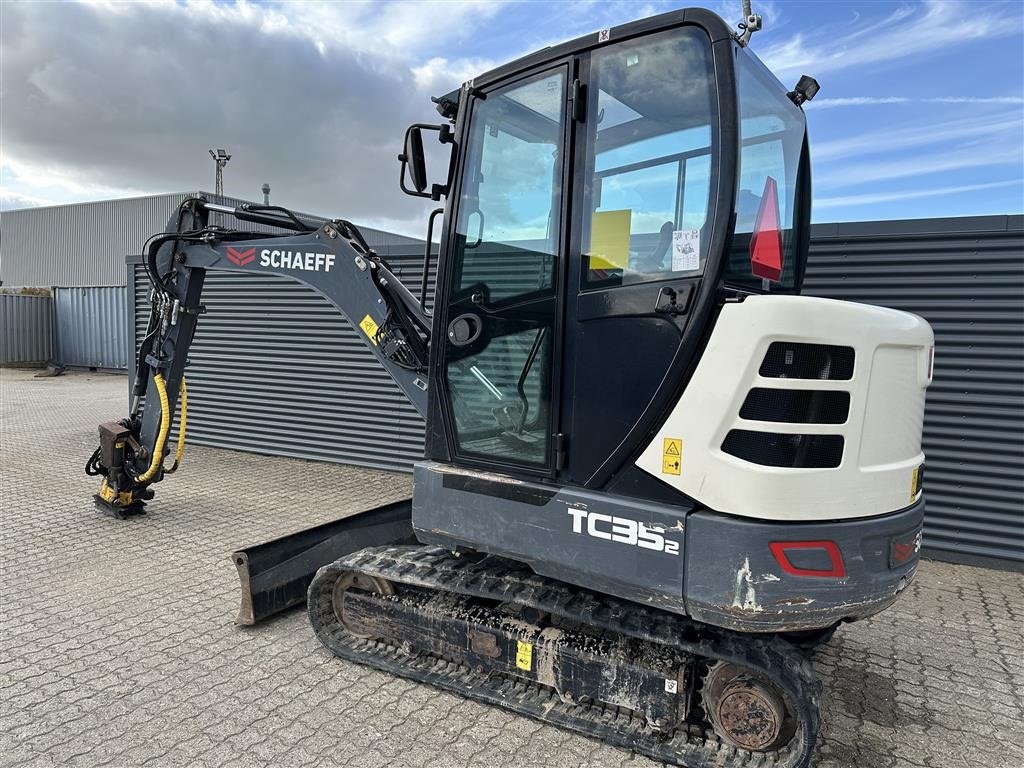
558, 442
579, 101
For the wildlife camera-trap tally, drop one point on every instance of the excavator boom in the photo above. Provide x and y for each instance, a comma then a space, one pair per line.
334, 259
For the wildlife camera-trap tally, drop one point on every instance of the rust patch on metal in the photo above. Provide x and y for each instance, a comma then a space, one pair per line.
745, 711
484, 644
792, 601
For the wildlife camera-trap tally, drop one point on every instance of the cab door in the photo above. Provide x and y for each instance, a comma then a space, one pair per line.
497, 378
648, 221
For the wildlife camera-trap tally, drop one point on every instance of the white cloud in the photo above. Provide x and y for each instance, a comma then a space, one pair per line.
860, 101
113, 99
855, 101
109, 99
914, 167
894, 138
870, 198
438, 75
905, 32
976, 100
11, 201
59, 182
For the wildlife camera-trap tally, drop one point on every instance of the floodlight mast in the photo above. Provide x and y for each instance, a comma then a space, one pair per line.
220, 157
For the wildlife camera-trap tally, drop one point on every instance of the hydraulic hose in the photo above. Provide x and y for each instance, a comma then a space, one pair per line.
181, 430
161, 437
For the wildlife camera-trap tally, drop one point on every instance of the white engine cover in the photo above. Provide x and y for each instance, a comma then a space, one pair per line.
882, 434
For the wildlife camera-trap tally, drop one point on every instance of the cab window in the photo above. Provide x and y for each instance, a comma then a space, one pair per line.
771, 142
509, 213
649, 159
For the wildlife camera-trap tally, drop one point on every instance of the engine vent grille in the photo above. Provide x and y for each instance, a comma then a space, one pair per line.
774, 449
793, 360
796, 406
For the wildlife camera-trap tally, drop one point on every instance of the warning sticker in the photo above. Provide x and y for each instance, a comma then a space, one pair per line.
672, 456
914, 488
685, 250
524, 655
671, 686
369, 328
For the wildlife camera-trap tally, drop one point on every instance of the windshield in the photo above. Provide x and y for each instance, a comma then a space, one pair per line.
649, 159
771, 140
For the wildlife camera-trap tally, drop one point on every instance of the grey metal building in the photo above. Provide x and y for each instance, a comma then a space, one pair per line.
322, 396
84, 244
78, 250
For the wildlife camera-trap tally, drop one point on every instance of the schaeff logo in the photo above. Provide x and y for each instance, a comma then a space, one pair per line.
241, 258
300, 260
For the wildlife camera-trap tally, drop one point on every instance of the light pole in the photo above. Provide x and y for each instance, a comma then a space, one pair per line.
220, 157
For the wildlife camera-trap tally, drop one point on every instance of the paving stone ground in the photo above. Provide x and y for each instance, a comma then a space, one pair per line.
118, 648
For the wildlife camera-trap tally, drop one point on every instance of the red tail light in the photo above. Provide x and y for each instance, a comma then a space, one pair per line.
766, 240
829, 549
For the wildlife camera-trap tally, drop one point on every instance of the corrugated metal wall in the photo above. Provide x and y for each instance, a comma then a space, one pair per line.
966, 277
84, 244
26, 328
322, 395
275, 369
91, 327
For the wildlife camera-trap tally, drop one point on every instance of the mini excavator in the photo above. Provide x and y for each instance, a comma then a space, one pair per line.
654, 472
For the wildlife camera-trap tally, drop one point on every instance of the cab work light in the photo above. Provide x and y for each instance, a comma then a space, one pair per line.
809, 558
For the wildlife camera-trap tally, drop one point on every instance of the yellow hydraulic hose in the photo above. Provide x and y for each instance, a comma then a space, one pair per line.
181, 430
161, 437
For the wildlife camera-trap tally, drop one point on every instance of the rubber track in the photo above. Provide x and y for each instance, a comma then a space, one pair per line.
506, 581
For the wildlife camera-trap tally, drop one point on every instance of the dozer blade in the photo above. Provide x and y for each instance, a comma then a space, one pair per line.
275, 575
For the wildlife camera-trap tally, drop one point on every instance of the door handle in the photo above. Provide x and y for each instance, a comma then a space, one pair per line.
464, 329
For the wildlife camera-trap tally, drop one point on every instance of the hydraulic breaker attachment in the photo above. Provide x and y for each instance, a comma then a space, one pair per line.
276, 574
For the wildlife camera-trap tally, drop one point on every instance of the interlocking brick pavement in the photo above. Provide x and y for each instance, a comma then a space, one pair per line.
117, 645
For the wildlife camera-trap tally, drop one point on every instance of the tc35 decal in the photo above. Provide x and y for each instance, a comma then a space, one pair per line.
621, 530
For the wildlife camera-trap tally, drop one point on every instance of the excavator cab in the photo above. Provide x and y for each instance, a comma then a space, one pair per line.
600, 206
651, 466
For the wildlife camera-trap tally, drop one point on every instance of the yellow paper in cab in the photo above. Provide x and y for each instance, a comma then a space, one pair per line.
609, 239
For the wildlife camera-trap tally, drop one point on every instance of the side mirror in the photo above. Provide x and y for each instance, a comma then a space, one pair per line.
413, 160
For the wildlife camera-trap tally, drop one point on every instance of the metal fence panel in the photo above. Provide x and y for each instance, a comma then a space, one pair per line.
91, 327
966, 277
26, 329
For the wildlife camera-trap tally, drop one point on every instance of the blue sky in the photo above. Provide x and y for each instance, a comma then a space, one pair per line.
921, 111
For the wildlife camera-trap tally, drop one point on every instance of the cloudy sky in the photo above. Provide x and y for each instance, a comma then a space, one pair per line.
921, 111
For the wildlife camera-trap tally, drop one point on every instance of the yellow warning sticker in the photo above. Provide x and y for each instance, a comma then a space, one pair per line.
672, 456
369, 328
913, 483
524, 655
609, 239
